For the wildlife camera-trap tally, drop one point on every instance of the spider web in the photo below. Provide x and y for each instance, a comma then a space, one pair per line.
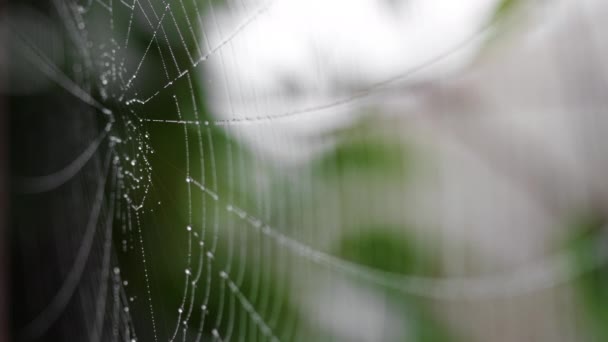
193, 231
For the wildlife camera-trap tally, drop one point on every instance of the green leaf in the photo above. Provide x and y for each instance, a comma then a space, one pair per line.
392, 250
504, 9
364, 156
379, 249
592, 284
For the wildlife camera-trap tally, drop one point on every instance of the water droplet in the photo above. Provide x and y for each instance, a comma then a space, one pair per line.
189, 228
180, 310
116, 270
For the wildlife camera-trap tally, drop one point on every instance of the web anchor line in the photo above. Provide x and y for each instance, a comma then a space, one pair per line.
51, 312
545, 273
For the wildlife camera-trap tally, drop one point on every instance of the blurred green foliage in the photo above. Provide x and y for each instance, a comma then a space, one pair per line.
364, 157
589, 250
504, 9
381, 248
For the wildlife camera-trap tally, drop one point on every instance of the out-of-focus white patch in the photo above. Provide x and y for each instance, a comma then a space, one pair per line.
353, 313
299, 54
